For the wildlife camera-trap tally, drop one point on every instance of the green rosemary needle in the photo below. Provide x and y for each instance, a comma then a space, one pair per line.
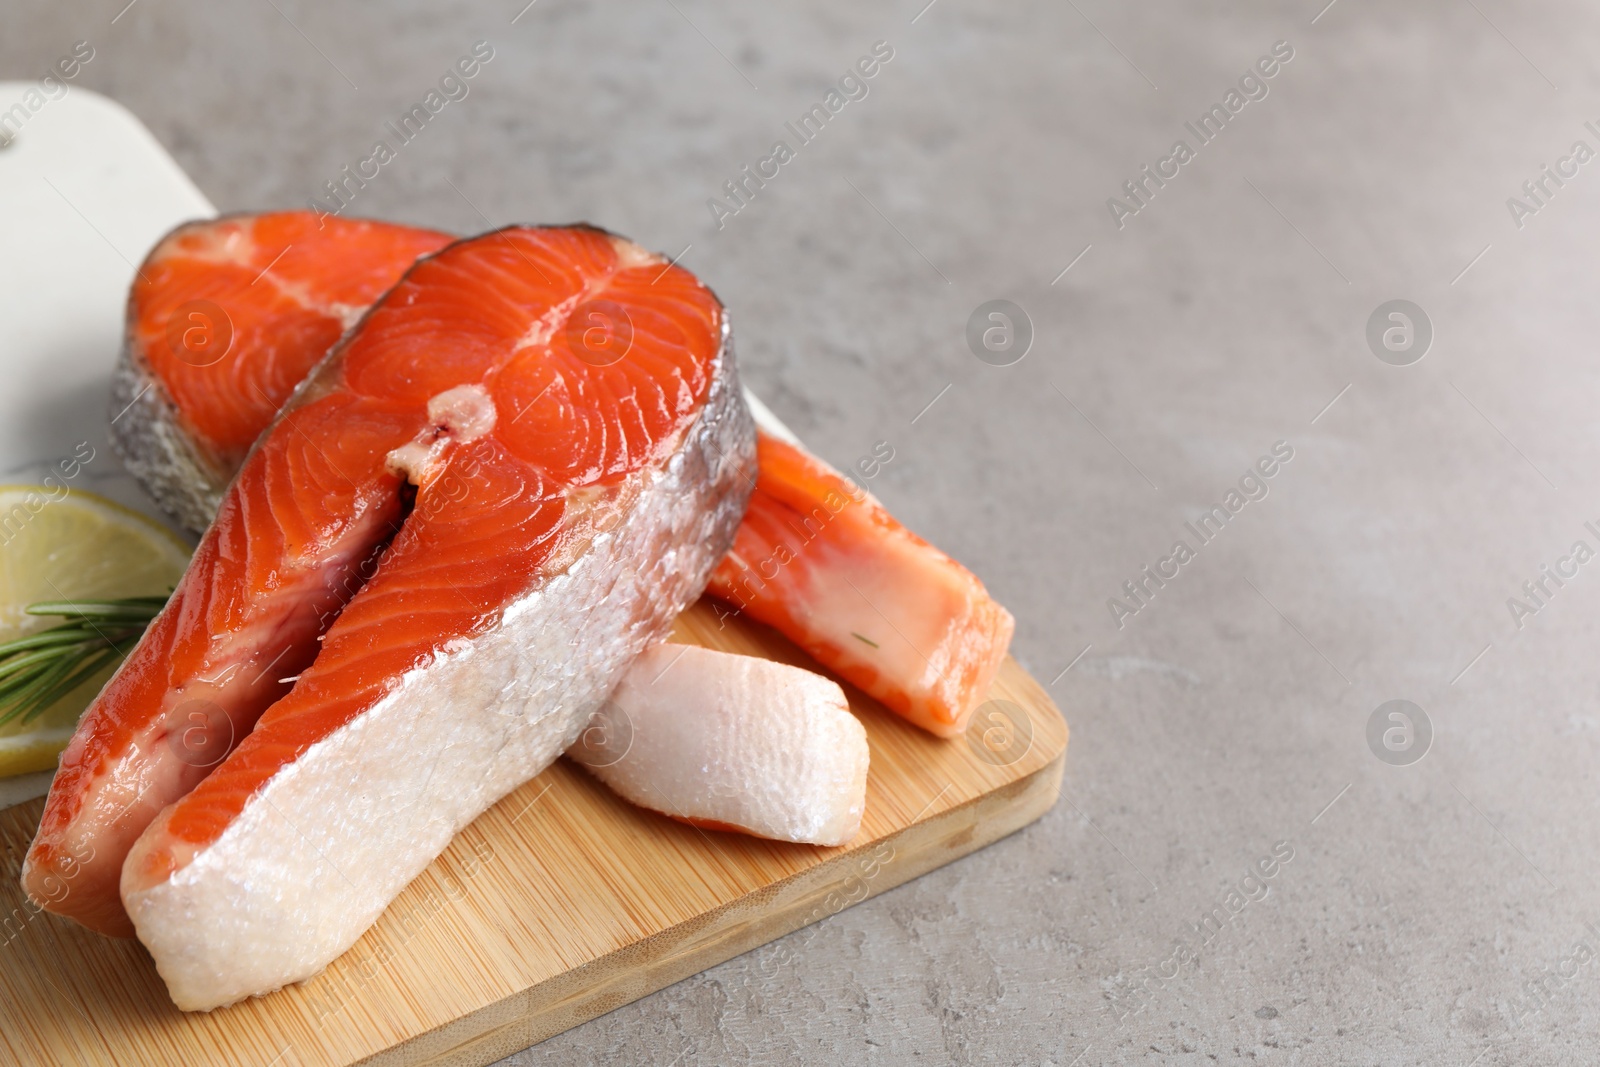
41, 668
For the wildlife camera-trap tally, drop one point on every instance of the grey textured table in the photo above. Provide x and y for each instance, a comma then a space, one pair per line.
1434, 912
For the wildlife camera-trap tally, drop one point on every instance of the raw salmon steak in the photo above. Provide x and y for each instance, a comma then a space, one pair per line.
225, 318
821, 561
497, 489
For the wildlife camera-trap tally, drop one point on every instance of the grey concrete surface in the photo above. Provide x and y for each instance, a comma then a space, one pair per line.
1439, 912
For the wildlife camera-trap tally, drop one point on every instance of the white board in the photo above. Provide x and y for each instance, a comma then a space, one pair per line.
87, 190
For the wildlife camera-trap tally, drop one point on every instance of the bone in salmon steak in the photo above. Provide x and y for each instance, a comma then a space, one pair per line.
573, 489
729, 742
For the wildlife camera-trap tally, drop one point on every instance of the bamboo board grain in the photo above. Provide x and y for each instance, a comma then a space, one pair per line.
559, 904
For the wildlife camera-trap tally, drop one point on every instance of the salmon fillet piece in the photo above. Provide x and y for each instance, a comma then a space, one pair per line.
485, 510
821, 561
226, 316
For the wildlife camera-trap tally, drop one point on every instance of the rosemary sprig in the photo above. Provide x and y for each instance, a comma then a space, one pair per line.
41, 668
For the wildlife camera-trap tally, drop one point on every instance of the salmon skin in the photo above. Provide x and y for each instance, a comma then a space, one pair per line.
821, 561
520, 505
226, 316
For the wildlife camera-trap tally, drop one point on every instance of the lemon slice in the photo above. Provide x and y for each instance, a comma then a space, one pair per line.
57, 544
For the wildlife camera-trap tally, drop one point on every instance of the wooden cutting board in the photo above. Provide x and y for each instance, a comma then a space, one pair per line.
559, 904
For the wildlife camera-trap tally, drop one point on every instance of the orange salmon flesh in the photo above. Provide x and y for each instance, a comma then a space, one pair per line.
821, 561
